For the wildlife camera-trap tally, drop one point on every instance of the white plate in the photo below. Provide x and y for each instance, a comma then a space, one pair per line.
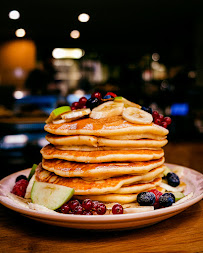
192, 178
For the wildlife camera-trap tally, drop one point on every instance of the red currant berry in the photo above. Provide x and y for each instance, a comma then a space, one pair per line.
87, 204
73, 204
155, 114
157, 196
82, 101
167, 120
65, 208
101, 209
111, 94
20, 187
78, 210
73, 108
117, 209
161, 117
76, 105
96, 95
157, 121
84, 107
164, 124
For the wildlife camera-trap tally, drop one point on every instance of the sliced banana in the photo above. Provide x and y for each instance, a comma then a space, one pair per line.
59, 121
126, 102
107, 109
76, 114
138, 116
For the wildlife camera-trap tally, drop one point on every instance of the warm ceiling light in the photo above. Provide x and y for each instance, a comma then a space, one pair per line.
20, 32
14, 14
155, 57
83, 17
67, 53
75, 34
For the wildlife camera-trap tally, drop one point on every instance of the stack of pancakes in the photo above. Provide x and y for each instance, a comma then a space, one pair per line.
107, 159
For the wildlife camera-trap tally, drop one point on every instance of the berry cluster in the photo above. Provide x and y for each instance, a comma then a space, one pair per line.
160, 120
94, 101
87, 207
20, 186
155, 198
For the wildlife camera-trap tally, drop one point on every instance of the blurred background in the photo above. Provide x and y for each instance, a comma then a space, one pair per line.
54, 52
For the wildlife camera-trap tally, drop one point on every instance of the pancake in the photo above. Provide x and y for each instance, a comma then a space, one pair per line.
93, 141
50, 152
104, 127
87, 148
136, 137
113, 197
83, 187
97, 170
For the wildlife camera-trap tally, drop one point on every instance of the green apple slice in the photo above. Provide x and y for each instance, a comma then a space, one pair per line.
166, 171
178, 195
32, 172
49, 195
55, 114
126, 102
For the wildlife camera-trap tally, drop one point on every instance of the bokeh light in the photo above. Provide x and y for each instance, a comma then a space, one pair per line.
14, 14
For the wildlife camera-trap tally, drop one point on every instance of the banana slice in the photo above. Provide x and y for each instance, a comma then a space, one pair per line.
138, 116
107, 109
56, 113
76, 114
126, 102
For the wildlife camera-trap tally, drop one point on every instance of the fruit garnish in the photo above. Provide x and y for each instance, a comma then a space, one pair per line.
101, 209
82, 101
32, 172
147, 109
49, 195
56, 113
92, 103
146, 198
111, 94
96, 95
117, 209
76, 114
160, 120
178, 195
138, 116
21, 177
167, 199
126, 102
157, 194
173, 179
20, 187
107, 109
87, 204
166, 171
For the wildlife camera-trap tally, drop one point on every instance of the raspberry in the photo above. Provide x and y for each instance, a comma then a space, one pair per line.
157, 196
20, 187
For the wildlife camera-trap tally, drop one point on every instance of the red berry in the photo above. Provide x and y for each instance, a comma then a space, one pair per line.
76, 105
164, 124
65, 208
82, 101
87, 213
155, 114
96, 95
84, 107
78, 210
20, 187
117, 209
73, 108
94, 205
73, 204
87, 204
111, 94
157, 121
157, 196
167, 120
161, 117
101, 209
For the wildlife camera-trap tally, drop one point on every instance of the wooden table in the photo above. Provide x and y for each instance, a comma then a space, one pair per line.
181, 233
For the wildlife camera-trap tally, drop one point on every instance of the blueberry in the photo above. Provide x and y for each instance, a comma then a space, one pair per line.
107, 97
167, 199
92, 103
147, 109
21, 177
173, 179
146, 198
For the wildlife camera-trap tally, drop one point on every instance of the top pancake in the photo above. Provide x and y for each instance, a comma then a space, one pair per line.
111, 126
